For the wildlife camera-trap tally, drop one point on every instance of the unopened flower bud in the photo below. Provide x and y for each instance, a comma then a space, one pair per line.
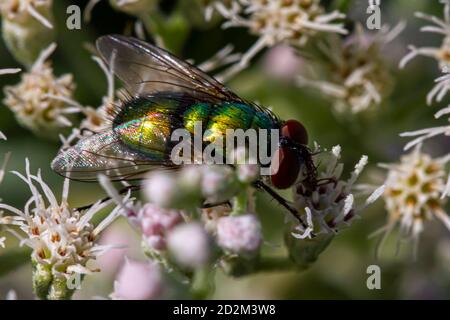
155, 223
247, 173
219, 183
161, 189
190, 245
240, 234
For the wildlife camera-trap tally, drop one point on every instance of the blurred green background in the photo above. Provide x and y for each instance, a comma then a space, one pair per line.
340, 272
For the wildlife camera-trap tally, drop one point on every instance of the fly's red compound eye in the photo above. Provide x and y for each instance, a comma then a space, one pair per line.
296, 131
284, 168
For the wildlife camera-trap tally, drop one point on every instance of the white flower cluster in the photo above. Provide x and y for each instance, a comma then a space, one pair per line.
414, 189
3, 137
442, 56
33, 99
442, 86
63, 239
442, 27
277, 21
356, 72
330, 205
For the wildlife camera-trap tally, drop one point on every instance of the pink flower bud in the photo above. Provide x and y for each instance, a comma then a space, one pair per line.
190, 245
155, 223
218, 183
138, 281
282, 63
247, 173
239, 234
161, 189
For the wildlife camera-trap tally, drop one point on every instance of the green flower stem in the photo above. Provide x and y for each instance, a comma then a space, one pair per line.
276, 264
240, 203
202, 283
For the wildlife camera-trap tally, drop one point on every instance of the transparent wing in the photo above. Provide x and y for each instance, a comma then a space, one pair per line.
105, 153
147, 69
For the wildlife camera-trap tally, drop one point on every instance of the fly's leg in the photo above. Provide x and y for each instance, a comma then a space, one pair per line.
282, 201
121, 191
84, 130
212, 205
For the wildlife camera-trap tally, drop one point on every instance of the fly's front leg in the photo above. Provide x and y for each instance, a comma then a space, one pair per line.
282, 201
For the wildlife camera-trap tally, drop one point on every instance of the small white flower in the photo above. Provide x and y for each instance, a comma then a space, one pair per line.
32, 100
239, 234
62, 238
440, 26
190, 245
356, 71
330, 205
413, 194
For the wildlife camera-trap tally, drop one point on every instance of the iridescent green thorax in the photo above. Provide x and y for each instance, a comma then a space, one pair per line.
146, 124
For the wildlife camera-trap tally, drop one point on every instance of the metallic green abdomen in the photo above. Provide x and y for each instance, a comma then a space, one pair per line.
216, 119
146, 124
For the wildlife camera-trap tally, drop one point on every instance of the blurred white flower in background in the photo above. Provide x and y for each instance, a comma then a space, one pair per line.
115, 235
440, 26
413, 195
3, 137
21, 10
27, 27
32, 100
132, 7
425, 134
96, 119
282, 62
330, 205
355, 73
63, 239
138, 281
274, 22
